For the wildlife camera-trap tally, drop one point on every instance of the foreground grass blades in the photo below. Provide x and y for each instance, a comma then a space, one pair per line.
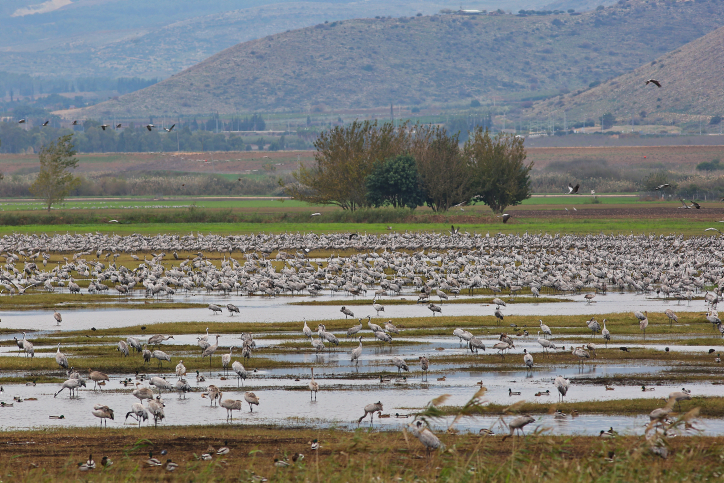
363, 455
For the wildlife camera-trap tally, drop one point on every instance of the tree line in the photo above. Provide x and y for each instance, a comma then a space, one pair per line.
364, 164
91, 138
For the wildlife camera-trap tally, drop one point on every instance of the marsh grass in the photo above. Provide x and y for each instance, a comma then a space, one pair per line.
361, 455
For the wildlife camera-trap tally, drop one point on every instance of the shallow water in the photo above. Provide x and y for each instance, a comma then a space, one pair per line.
278, 309
294, 407
345, 387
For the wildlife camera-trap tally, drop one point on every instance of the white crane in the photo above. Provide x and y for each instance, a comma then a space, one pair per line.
527, 359
182, 387
28, 347
424, 365
499, 317
605, 333
155, 407
209, 351
545, 329
123, 348
425, 436
562, 385
390, 327
354, 329
328, 336
138, 412
373, 327
400, 364
161, 356
230, 405
643, 323
371, 409
313, 387
180, 369
142, 392
98, 378
161, 383
102, 412
357, 352
226, 360
213, 393
158, 338
378, 308
61, 359
593, 326
498, 302
241, 373
581, 354
517, 424
71, 385
672, 316
306, 330
251, 398
502, 347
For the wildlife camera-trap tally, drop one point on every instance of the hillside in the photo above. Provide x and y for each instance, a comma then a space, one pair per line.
127, 38
434, 60
691, 79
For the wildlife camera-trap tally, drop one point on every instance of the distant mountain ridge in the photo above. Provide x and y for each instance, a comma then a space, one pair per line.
433, 60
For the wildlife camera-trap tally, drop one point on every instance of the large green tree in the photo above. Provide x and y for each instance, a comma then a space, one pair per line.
55, 180
441, 166
500, 177
395, 182
344, 158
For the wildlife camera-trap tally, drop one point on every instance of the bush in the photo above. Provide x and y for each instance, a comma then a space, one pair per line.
713, 165
715, 119
475, 103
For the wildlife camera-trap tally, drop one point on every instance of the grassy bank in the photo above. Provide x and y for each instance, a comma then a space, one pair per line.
362, 455
564, 225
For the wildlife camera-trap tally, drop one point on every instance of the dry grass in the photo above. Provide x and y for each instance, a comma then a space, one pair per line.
362, 455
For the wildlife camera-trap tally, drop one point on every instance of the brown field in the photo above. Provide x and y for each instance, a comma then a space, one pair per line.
127, 163
653, 157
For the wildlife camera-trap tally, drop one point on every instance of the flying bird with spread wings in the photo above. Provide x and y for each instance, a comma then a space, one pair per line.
654, 82
573, 189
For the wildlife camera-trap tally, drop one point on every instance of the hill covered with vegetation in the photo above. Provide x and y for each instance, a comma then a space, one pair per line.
425, 60
691, 86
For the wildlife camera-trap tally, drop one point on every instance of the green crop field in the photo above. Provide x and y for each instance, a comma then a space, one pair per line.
520, 226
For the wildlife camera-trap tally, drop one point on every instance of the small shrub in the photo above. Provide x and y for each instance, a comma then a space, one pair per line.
712, 165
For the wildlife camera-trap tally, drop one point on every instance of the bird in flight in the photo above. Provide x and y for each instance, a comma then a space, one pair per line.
104, 126
149, 126
654, 82
573, 189
118, 126
45, 123
22, 121
170, 129
662, 186
75, 123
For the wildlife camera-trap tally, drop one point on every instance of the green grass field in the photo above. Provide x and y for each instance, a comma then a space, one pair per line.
571, 225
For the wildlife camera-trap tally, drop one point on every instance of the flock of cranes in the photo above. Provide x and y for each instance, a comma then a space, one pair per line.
432, 265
